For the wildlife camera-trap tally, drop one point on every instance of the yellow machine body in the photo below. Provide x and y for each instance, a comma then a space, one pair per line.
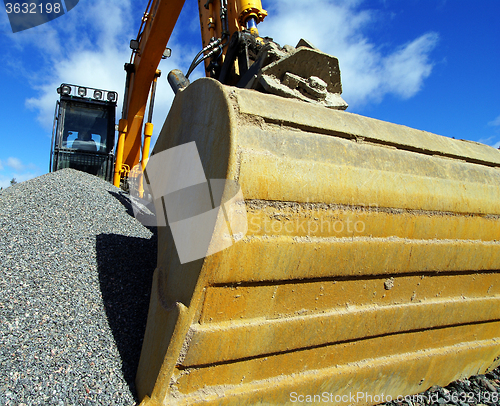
370, 266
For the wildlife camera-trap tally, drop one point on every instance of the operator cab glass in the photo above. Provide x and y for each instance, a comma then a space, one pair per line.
84, 132
86, 128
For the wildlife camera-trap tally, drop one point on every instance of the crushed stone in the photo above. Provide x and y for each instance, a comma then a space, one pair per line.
75, 276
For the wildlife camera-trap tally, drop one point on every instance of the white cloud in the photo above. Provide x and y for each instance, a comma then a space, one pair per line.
14, 168
15, 164
100, 69
336, 27
406, 68
88, 46
495, 122
4, 182
5, 179
93, 51
493, 140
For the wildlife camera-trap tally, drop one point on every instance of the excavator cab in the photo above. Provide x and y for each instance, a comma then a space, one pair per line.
83, 135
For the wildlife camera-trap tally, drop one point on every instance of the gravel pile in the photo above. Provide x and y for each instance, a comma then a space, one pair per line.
75, 277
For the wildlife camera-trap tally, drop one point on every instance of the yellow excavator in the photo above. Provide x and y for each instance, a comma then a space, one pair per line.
347, 260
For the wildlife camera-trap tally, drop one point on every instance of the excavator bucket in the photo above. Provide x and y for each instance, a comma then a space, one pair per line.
363, 263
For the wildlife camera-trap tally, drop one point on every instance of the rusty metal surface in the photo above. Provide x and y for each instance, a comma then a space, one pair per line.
370, 264
305, 74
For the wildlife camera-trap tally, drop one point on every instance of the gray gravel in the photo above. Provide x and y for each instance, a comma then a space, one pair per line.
75, 276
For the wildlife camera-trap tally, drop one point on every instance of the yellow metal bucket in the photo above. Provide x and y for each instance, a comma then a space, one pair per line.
368, 270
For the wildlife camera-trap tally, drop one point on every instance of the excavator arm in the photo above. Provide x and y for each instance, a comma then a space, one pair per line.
218, 20
158, 23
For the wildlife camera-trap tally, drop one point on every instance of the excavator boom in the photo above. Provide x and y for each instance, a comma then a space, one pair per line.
157, 25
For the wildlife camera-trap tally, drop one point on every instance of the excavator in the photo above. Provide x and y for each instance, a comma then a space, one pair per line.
347, 260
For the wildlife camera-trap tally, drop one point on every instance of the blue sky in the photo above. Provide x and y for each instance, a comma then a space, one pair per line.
427, 64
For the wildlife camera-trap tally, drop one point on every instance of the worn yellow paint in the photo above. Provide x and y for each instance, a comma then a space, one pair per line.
273, 301
273, 178
370, 377
284, 258
216, 343
297, 115
407, 299
296, 362
301, 220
